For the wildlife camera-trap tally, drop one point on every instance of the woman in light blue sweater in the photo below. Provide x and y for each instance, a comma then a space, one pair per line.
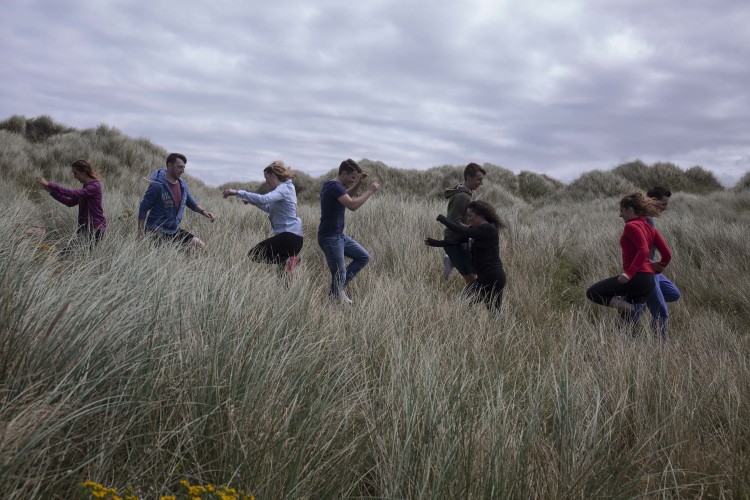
284, 246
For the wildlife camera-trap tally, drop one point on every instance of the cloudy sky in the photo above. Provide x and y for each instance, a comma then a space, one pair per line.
553, 86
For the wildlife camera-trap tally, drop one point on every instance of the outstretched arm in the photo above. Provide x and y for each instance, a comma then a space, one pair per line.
477, 233
431, 242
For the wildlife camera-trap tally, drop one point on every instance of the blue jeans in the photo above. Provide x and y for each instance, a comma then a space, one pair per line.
664, 291
335, 248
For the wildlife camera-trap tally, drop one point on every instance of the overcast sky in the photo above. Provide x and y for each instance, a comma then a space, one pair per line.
551, 86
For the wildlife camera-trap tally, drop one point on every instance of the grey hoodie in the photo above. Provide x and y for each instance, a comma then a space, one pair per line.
458, 198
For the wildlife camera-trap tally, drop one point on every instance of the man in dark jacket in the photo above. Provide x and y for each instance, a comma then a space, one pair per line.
459, 197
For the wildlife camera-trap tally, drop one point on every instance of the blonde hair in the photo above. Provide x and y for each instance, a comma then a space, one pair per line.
641, 204
86, 167
281, 171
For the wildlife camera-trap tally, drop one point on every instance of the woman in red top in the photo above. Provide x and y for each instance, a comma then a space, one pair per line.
91, 221
637, 279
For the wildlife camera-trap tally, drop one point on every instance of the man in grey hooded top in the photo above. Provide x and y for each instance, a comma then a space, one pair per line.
459, 197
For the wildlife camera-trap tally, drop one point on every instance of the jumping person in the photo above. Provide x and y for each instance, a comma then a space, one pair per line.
335, 198
637, 279
284, 246
664, 290
164, 202
459, 197
91, 221
483, 227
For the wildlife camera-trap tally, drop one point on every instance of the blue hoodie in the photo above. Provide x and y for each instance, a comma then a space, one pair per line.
158, 202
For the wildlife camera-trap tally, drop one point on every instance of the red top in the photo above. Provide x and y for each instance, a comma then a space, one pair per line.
176, 194
637, 239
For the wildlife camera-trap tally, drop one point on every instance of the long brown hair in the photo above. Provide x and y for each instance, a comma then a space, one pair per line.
487, 211
86, 167
641, 204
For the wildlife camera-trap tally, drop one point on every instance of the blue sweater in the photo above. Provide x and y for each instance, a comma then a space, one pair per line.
159, 204
281, 205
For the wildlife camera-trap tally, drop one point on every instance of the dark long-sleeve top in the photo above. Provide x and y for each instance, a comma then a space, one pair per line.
485, 251
89, 201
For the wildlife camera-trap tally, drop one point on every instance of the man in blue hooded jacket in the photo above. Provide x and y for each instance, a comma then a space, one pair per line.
164, 203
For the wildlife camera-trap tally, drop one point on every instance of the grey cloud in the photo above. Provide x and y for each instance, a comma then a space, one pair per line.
548, 86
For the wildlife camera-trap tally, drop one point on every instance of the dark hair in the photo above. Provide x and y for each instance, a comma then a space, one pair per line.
472, 169
281, 171
348, 166
487, 212
173, 156
658, 192
86, 167
641, 204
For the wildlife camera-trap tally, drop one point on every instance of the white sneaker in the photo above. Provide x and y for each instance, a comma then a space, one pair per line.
447, 266
343, 298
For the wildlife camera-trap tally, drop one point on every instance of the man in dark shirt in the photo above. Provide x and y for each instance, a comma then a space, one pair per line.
335, 198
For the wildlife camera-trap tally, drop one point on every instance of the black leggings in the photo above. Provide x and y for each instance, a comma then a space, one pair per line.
634, 291
488, 289
277, 249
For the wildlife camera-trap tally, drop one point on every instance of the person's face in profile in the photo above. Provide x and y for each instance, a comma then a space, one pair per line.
349, 178
662, 203
472, 183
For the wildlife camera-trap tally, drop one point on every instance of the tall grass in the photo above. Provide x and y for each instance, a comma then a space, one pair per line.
142, 366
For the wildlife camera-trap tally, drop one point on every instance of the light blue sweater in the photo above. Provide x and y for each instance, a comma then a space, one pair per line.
281, 205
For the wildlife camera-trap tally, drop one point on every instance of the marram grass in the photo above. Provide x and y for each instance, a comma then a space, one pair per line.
141, 366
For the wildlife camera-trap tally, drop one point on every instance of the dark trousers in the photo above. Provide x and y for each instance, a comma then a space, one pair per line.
277, 249
634, 291
489, 289
87, 237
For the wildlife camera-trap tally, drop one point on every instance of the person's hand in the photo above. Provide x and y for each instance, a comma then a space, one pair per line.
658, 267
229, 192
208, 215
623, 278
374, 186
42, 181
363, 176
431, 242
441, 218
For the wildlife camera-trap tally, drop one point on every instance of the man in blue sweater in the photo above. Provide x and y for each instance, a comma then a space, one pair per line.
163, 205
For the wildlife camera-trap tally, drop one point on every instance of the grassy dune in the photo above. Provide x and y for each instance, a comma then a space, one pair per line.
138, 366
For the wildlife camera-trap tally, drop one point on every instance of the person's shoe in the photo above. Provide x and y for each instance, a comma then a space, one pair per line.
447, 266
343, 298
292, 265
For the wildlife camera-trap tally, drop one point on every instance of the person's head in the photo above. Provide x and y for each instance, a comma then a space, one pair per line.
276, 173
176, 164
473, 176
637, 205
477, 212
349, 171
84, 171
661, 195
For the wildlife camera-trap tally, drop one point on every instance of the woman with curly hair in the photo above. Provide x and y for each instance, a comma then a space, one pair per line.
284, 246
637, 279
91, 221
483, 228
